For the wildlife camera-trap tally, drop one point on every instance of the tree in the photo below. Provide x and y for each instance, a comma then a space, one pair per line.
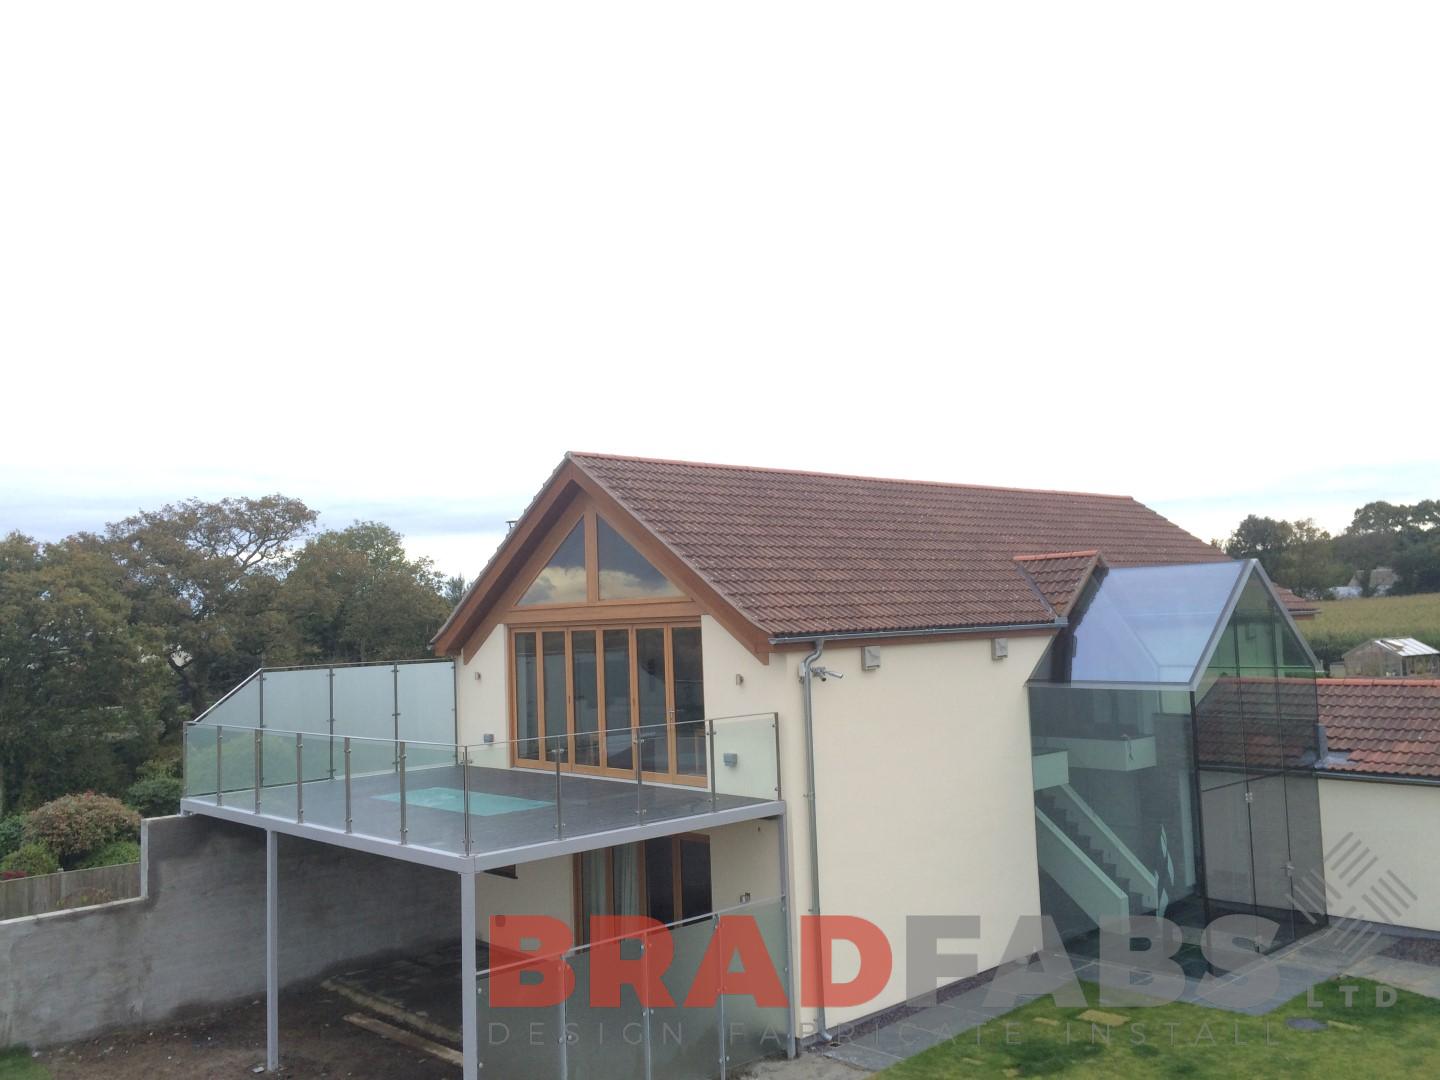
84, 691
354, 595
1308, 564
454, 590
1260, 538
206, 575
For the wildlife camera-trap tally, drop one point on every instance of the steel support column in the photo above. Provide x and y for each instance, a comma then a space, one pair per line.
272, 952
469, 972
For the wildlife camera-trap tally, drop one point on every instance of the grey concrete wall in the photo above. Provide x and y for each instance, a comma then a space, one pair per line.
196, 938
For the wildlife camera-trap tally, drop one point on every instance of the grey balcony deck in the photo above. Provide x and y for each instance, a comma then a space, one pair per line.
513, 815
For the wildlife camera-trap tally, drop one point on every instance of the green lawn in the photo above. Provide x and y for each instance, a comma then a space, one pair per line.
16, 1064
1343, 624
1360, 1042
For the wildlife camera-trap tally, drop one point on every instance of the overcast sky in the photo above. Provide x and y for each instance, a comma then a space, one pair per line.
395, 259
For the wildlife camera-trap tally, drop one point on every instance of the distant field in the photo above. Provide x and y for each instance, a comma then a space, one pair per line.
1343, 624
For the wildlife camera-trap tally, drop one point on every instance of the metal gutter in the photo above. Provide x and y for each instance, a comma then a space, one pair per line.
1377, 778
1059, 623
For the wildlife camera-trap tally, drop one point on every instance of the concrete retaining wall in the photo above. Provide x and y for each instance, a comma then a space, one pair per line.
196, 937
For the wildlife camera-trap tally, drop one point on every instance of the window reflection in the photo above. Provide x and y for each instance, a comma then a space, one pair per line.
563, 579
625, 574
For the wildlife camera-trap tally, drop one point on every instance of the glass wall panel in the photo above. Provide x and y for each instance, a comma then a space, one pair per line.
618, 720
518, 1040
365, 702
584, 678
754, 1031
603, 1042
1115, 805
654, 702
625, 574
563, 579
689, 701
201, 768
685, 1042
427, 702
527, 709
240, 709
298, 700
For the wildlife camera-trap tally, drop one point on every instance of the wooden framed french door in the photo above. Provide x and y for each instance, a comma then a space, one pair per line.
601, 699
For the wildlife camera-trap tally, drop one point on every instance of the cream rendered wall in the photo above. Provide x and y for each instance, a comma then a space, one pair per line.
482, 704
924, 789
1395, 822
744, 860
544, 887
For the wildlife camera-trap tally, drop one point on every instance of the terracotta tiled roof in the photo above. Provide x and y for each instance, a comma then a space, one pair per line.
1060, 576
1297, 605
807, 553
1382, 726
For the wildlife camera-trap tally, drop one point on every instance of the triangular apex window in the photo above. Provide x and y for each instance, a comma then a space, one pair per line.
563, 579
625, 574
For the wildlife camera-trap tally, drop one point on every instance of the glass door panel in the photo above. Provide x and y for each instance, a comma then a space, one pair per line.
527, 714
584, 678
689, 701
617, 700
556, 695
654, 701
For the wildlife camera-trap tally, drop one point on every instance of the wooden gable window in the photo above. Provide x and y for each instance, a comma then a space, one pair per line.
564, 579
605, 661
595, 563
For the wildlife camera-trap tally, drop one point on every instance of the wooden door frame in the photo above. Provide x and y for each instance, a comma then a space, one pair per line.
604, 769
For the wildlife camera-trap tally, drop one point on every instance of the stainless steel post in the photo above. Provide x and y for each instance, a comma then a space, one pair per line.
559, 811
219, 766
465, 793
259, 750
349, 821
299, 777
714, 764
639, 775
720, 1002
400, 758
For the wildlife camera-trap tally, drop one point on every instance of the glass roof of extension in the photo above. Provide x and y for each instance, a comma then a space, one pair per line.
1153, 625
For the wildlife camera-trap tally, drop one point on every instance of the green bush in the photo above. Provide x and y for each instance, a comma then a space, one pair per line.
12, 833
121, 851
155, 796
73, 826
31, 859
164, 764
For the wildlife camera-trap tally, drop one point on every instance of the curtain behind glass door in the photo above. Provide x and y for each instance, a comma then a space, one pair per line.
583, 678
556, 696
617, 699
654, 702
689, 701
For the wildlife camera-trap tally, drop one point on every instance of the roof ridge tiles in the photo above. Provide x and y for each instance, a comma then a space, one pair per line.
947, 484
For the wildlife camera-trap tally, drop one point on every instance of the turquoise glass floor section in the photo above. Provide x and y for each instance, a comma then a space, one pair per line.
482, 804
